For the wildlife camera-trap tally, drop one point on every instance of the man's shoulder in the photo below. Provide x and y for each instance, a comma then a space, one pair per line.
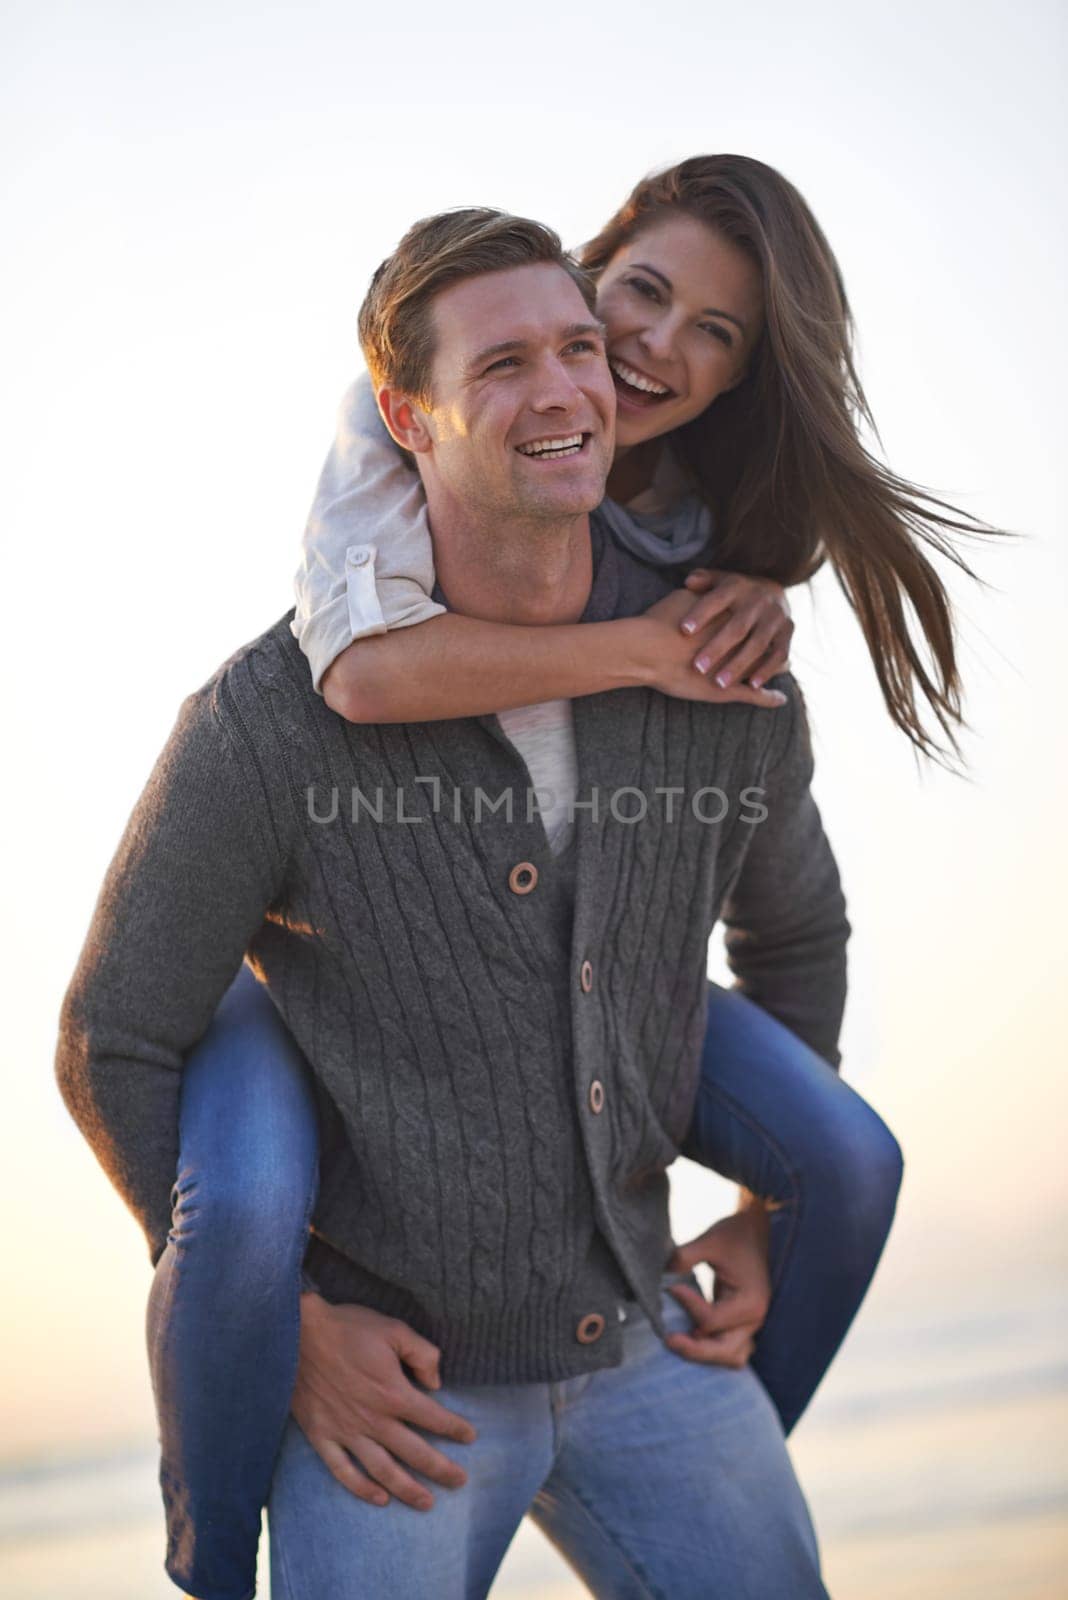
267, 670
772, 742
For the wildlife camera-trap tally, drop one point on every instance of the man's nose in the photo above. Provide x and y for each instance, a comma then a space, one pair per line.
556, 389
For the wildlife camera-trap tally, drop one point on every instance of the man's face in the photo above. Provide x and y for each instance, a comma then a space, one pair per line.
523, 405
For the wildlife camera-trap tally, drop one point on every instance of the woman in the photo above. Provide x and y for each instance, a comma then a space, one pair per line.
729, 337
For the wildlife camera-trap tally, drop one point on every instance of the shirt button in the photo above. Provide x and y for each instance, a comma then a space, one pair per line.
360, 556
596, 1095
590, 1328
523, 877
586, 977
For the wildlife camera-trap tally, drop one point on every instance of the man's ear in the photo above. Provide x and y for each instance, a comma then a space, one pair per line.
405, 420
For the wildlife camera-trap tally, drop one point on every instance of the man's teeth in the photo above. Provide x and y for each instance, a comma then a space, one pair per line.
552, 447
636, 380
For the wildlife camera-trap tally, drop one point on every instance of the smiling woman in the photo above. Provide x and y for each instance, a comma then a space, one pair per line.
717, 283
671, 350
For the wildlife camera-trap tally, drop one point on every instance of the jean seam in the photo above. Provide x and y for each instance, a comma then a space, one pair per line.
309, 1206
722, 1097
284, 1564
294, 1323
633, 1566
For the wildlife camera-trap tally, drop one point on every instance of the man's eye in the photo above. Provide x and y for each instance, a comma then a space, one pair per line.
583, 346
505, 361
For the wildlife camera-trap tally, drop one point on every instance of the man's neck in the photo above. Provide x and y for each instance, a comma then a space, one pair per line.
533, 572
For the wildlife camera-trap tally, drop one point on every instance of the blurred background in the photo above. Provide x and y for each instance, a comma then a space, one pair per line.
194, 199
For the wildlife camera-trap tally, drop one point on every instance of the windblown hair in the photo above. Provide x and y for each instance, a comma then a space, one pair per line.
396, 326
779, 459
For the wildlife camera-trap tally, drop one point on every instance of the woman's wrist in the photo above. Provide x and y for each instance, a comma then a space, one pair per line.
637, 653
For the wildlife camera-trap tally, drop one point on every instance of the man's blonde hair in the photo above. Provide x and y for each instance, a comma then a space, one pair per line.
396, 325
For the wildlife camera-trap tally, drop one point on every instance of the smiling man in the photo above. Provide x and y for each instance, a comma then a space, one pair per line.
502, 1010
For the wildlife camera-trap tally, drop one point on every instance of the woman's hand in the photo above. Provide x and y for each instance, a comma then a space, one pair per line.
353, 1398
737, 1250
753, 641
659, 655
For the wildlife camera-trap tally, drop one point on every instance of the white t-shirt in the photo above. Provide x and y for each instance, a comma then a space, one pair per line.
544, 735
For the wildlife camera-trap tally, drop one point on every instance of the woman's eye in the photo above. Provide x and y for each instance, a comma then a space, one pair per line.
718, 332
644, 287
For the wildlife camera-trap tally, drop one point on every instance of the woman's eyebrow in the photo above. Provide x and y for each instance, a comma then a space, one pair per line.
709, 311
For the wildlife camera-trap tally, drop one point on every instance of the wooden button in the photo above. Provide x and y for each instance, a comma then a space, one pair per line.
523, 877
590, 1328
586, 977
596, 1095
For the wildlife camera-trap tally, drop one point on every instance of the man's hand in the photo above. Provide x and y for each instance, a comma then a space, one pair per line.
737, 1249
667, 657
353, 1398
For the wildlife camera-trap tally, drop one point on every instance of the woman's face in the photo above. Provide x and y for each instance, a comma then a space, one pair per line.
684, 309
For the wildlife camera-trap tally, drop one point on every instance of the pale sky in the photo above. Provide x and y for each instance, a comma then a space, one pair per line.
193, 204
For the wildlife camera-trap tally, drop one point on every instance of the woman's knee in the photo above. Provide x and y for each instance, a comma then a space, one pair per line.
859, 1170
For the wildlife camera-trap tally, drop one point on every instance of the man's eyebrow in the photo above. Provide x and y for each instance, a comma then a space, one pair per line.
709, 311
504, 348
574, 330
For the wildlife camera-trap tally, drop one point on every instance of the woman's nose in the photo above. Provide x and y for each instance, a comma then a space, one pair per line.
658, 338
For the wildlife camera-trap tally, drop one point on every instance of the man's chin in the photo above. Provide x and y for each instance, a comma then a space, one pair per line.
560, 507
574, 499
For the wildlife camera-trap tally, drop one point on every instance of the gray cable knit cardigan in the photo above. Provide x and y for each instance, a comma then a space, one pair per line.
474, 1181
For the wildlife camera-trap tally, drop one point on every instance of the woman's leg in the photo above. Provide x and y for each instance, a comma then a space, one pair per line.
773, 1116
223, 1322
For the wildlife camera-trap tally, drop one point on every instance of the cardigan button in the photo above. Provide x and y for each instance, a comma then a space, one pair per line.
523, 877
586, 977
590, 1328
596, 1095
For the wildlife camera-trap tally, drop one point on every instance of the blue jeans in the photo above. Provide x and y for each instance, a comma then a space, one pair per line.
224, 1313
656, 1480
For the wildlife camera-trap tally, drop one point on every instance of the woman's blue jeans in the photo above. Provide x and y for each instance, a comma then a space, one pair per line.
224, 1309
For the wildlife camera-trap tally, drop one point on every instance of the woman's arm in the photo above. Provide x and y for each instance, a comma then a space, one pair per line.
368, 561
457, 666
381, 650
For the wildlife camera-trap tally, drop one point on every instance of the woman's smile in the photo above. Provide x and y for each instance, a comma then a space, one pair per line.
635, 386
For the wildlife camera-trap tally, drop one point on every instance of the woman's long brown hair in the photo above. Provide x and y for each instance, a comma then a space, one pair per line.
780, 459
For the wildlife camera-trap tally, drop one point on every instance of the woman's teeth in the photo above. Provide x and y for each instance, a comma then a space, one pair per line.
637, 380
552, 448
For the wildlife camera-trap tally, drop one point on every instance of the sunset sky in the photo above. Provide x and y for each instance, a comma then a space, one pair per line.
194, 201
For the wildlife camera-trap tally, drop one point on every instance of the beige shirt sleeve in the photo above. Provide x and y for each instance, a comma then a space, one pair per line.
368, 561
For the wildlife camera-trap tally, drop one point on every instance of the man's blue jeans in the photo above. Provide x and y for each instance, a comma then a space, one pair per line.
656, 1480
224, 1314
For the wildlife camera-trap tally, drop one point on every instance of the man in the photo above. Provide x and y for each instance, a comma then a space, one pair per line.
495, 1148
